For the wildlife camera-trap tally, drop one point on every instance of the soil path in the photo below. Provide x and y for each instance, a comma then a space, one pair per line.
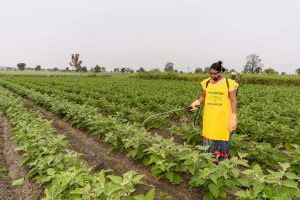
10, 158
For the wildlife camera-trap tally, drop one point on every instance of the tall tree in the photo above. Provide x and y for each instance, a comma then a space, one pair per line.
141, 70
103, 69
21, 66
83, 69
169, 67
75, 62
253, 64
297, 71
97, 68
38, 68
123, 69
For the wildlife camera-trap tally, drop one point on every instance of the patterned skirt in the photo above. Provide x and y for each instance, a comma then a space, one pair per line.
219, 148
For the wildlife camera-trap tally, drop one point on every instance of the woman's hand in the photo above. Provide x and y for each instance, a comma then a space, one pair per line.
194, 105
232, 122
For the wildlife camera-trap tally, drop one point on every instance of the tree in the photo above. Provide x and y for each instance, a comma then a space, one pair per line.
169, 67
102, 69
67, 68
123, 70
253, 64
270, 71
129, 70
284, 73
75, 62
297, 71
198, 70
83, 69
97, 68
38, 68
258, 70
116, 70
21, 66
141, 70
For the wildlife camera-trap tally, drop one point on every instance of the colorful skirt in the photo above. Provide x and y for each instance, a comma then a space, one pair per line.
219, 148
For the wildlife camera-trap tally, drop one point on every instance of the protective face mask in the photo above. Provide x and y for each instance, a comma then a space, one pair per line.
215, 78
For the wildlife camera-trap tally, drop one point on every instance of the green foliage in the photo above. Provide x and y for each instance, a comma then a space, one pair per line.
253, 64
21, 66
51, 163
268, 123
75, 62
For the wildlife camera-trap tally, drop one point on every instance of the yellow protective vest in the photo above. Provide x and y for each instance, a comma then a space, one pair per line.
217, 109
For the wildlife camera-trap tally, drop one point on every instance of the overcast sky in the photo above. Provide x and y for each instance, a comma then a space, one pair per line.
140, 33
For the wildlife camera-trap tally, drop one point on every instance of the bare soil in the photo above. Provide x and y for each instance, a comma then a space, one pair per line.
10, 161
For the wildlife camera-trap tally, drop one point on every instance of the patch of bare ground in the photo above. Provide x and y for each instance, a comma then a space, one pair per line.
28, 190
166, 134
98, 154
5, 187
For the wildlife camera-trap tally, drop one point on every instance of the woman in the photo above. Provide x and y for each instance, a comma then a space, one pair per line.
219, 117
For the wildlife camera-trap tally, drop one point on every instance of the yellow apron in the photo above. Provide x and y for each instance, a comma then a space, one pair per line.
217, 109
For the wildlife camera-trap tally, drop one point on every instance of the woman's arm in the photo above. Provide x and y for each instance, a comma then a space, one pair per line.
199, 101
233, 100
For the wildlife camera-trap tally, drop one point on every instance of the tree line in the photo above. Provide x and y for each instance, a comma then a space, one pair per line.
253, 66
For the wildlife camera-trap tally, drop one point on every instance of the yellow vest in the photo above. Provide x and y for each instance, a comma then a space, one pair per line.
217, 109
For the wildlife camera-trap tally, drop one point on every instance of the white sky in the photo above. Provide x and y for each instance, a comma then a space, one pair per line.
139, 33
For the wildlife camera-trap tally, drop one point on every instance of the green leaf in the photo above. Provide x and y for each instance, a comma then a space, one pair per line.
77, 191
50, 171
173, 177
18, 182
214, 178
196, 181
110, 188
243, 194
243, 163
208, 196
269, 192
115, 179
242, 155
235, 172
291, 175
148, 196
284, 166
290, 184
214, 189
257, 188
244, 182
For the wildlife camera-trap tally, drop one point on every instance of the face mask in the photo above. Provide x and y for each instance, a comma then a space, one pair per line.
216, 78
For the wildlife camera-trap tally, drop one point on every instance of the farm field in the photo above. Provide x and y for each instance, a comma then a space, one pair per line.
85, 137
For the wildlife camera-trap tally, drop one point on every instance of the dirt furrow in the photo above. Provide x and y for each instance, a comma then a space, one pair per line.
27, 190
